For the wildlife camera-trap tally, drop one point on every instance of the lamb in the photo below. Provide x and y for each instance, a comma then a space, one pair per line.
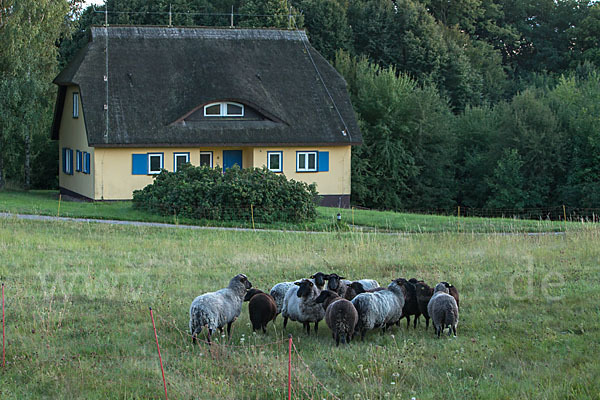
262, 309
443, 310
452, 291
411, 306
279, 290
381, 308
340, 315
424, 293
360, 286
299, 305
217, 309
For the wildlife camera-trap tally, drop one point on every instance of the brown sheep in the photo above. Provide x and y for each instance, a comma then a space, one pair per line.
262, 309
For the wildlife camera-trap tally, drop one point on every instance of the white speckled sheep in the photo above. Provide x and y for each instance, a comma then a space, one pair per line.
299, 305
217, 309
379, 309
443, 310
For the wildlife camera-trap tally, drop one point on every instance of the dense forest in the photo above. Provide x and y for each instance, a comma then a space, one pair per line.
477, 103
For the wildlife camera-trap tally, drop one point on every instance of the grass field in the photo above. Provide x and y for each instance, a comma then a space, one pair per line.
78, 325
47, 203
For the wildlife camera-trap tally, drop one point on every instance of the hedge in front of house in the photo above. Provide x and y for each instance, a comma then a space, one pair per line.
202, 192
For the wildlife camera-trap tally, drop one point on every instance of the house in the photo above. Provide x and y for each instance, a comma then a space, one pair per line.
139, 99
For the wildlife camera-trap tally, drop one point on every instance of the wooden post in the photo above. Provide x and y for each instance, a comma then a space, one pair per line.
59, 198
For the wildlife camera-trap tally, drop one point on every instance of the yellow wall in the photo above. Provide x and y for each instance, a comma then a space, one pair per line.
335, 181
72, 135
116, 182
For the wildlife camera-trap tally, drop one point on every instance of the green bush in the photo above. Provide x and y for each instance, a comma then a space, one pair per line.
201, 192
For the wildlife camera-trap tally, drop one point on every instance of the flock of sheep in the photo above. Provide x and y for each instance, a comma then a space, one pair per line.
348, 307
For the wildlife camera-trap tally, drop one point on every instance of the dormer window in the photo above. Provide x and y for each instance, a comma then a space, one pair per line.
224, 109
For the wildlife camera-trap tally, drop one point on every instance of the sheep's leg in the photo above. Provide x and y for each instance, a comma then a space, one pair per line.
264, 328
194, 338
229, 328
362, 334
407, 322
316, 327
307, 327
337, 339
284, 322
210, 331
454, 329
415, 322
426, 323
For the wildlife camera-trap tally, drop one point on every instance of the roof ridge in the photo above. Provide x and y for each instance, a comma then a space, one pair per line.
180, 32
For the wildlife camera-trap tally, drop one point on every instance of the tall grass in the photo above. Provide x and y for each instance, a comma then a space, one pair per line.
78, 324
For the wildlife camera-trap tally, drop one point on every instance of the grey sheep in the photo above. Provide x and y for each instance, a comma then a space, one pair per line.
299, 305
217, 309
279, 290
340, 316
380, 308
261, 309
360, 286
443, 310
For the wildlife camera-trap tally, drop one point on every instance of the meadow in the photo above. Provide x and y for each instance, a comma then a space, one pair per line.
78, 323
46, 202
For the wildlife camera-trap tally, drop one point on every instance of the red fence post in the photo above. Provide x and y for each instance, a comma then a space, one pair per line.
3, 334
159, 357
290, 368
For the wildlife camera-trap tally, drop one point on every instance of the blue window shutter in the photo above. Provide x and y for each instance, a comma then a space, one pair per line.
323, 161
71, 161
87, 163
139, 164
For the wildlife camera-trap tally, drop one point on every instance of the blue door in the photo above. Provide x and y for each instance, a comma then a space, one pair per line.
232, 157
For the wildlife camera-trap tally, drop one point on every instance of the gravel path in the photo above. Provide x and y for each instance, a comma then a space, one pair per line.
219, 228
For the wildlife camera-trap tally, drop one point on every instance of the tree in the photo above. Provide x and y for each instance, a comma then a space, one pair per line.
29, 31
327, 25
507, 182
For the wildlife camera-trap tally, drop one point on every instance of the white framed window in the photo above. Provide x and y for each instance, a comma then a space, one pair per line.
75, 105
306, 161
155, 163
179, 159
275, 161
78, 161
206, 159
224, 109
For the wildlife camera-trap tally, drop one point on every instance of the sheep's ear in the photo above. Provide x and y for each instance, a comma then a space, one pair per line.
312, 276
297, 283
342, 277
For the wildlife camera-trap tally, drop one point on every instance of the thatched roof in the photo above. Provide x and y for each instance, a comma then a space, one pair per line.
159, 75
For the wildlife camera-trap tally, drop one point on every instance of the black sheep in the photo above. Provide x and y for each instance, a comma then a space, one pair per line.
424, 293
411, 306
262, 309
